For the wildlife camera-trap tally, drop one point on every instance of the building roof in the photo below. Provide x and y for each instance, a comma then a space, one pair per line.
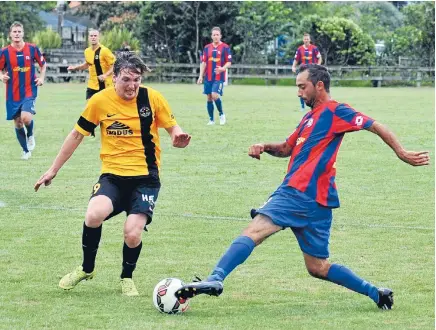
51, 19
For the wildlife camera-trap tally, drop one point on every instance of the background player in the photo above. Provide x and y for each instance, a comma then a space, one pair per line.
305, 199
100, 62
129, 116
17, 71
215, 60
306, 54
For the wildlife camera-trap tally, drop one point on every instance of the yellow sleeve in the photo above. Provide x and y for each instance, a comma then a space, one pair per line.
89, 119
163, 114
109, 57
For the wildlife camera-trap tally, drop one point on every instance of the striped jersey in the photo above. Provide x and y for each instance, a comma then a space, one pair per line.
213, 57
130, 143
99, 60
20, 66
315, 144
307, 55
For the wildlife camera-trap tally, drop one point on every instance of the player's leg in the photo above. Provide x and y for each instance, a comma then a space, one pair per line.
314, 240
21, 135
217, 91
102, 205
302, 103
257, 231
207, 89
143, 196
27, 113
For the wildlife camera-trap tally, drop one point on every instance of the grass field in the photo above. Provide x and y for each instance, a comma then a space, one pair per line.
384, 230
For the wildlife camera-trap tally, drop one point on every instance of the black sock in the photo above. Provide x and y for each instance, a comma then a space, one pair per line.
130, 257
90, 240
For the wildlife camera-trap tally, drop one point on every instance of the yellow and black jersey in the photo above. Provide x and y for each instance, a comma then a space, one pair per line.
129, 130
99, 60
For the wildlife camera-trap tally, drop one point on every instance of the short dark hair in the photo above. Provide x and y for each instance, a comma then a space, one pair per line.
14, 24
317, 73
130, 61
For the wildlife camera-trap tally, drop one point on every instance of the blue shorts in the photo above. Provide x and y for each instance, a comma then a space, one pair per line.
14, 109
309, 220
213, 87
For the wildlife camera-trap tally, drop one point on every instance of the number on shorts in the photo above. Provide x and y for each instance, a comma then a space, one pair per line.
359, 120
96, 187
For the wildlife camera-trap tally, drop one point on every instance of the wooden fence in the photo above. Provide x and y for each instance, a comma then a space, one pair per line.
178, 72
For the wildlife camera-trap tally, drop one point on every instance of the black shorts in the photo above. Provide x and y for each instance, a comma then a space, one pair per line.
133, 194
90, 92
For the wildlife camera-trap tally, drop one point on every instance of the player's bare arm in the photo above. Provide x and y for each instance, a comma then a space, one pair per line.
414, 158
178, 137
274, 149
202, 69
82, 66
223, 68
105, 75
39, 81
71, 143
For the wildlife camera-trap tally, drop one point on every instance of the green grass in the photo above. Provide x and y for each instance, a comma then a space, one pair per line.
383, 231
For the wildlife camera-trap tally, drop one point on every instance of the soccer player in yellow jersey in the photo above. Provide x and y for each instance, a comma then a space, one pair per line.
129, 116
100, 62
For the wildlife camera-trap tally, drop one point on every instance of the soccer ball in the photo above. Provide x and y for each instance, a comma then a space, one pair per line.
164, 299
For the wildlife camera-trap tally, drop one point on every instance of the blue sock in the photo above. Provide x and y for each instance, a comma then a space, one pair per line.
210, 109
21, 137
30, 129
219, 106
237, 253
302, 103
343, 276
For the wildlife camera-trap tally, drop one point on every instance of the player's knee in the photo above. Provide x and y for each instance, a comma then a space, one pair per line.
317, 270
215, 96
132, 238
94, 218
209, 98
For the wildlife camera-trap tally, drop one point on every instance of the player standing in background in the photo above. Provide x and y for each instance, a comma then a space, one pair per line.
306, 54
17, 71
129, 116
215, 60
305, 199
100, 62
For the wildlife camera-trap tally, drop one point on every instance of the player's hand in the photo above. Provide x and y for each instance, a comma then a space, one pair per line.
45, 179
39, 81
71, 68
181, 140
5, 78
415, 158
200, 80
294, 69
256, 150
219, 69
101, 77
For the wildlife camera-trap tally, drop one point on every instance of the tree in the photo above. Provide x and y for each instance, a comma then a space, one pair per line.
340, 40
115, 38
24, 12
47, 39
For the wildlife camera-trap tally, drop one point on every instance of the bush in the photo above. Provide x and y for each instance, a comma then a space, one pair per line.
115, 38
47, 39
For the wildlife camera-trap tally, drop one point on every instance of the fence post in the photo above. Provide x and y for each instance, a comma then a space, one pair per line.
418, 79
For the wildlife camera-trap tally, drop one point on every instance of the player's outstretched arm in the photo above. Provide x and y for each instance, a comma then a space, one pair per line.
178, 137
82, 66
414, 158
274, 149
71, 143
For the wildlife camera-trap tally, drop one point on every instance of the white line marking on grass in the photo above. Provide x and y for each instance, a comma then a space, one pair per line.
214, 217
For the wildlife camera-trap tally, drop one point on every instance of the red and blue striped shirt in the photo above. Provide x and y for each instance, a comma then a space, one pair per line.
20, 65
213, 57
315, 144
307, 55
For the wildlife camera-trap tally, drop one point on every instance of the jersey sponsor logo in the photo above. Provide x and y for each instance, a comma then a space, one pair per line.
118, 129
145, 112
110, 115
300, 140
211, 59
19, 69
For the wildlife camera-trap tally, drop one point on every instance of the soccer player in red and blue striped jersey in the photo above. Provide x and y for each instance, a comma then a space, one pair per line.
17, 71
305, 199
215, 60
306, 54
